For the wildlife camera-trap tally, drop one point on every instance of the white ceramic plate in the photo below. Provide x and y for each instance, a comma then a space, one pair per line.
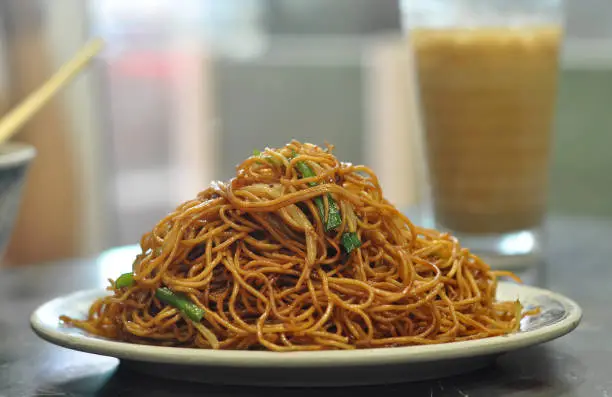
559, 315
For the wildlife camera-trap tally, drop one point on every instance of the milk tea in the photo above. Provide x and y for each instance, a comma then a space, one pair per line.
488, 97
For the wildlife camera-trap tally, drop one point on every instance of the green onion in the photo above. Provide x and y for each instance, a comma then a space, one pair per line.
125, 280
257, 153
350, 241
306, 171
271, 160
334, 219
179, 301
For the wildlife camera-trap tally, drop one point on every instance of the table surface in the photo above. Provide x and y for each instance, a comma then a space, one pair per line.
577, 264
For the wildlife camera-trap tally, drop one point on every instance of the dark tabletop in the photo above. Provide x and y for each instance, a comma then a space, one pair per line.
577, 263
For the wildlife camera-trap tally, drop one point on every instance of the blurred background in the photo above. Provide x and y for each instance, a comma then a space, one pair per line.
188, 88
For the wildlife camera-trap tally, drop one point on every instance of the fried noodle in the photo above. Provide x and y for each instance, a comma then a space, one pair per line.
256, 256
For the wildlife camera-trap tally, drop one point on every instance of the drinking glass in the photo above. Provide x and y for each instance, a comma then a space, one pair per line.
487, 74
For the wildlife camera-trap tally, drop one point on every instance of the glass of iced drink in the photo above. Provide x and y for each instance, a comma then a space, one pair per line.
487, 78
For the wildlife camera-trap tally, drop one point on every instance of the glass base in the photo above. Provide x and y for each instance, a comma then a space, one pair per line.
514, 250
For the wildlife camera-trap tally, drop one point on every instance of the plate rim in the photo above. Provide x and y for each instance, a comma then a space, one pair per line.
326, 358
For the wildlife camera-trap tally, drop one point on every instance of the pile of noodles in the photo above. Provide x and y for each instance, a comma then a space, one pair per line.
254, 254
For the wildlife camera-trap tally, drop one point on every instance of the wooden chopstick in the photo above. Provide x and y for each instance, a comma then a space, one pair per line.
19, 115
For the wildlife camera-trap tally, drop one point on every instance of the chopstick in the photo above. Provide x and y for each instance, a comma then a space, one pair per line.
19, 115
